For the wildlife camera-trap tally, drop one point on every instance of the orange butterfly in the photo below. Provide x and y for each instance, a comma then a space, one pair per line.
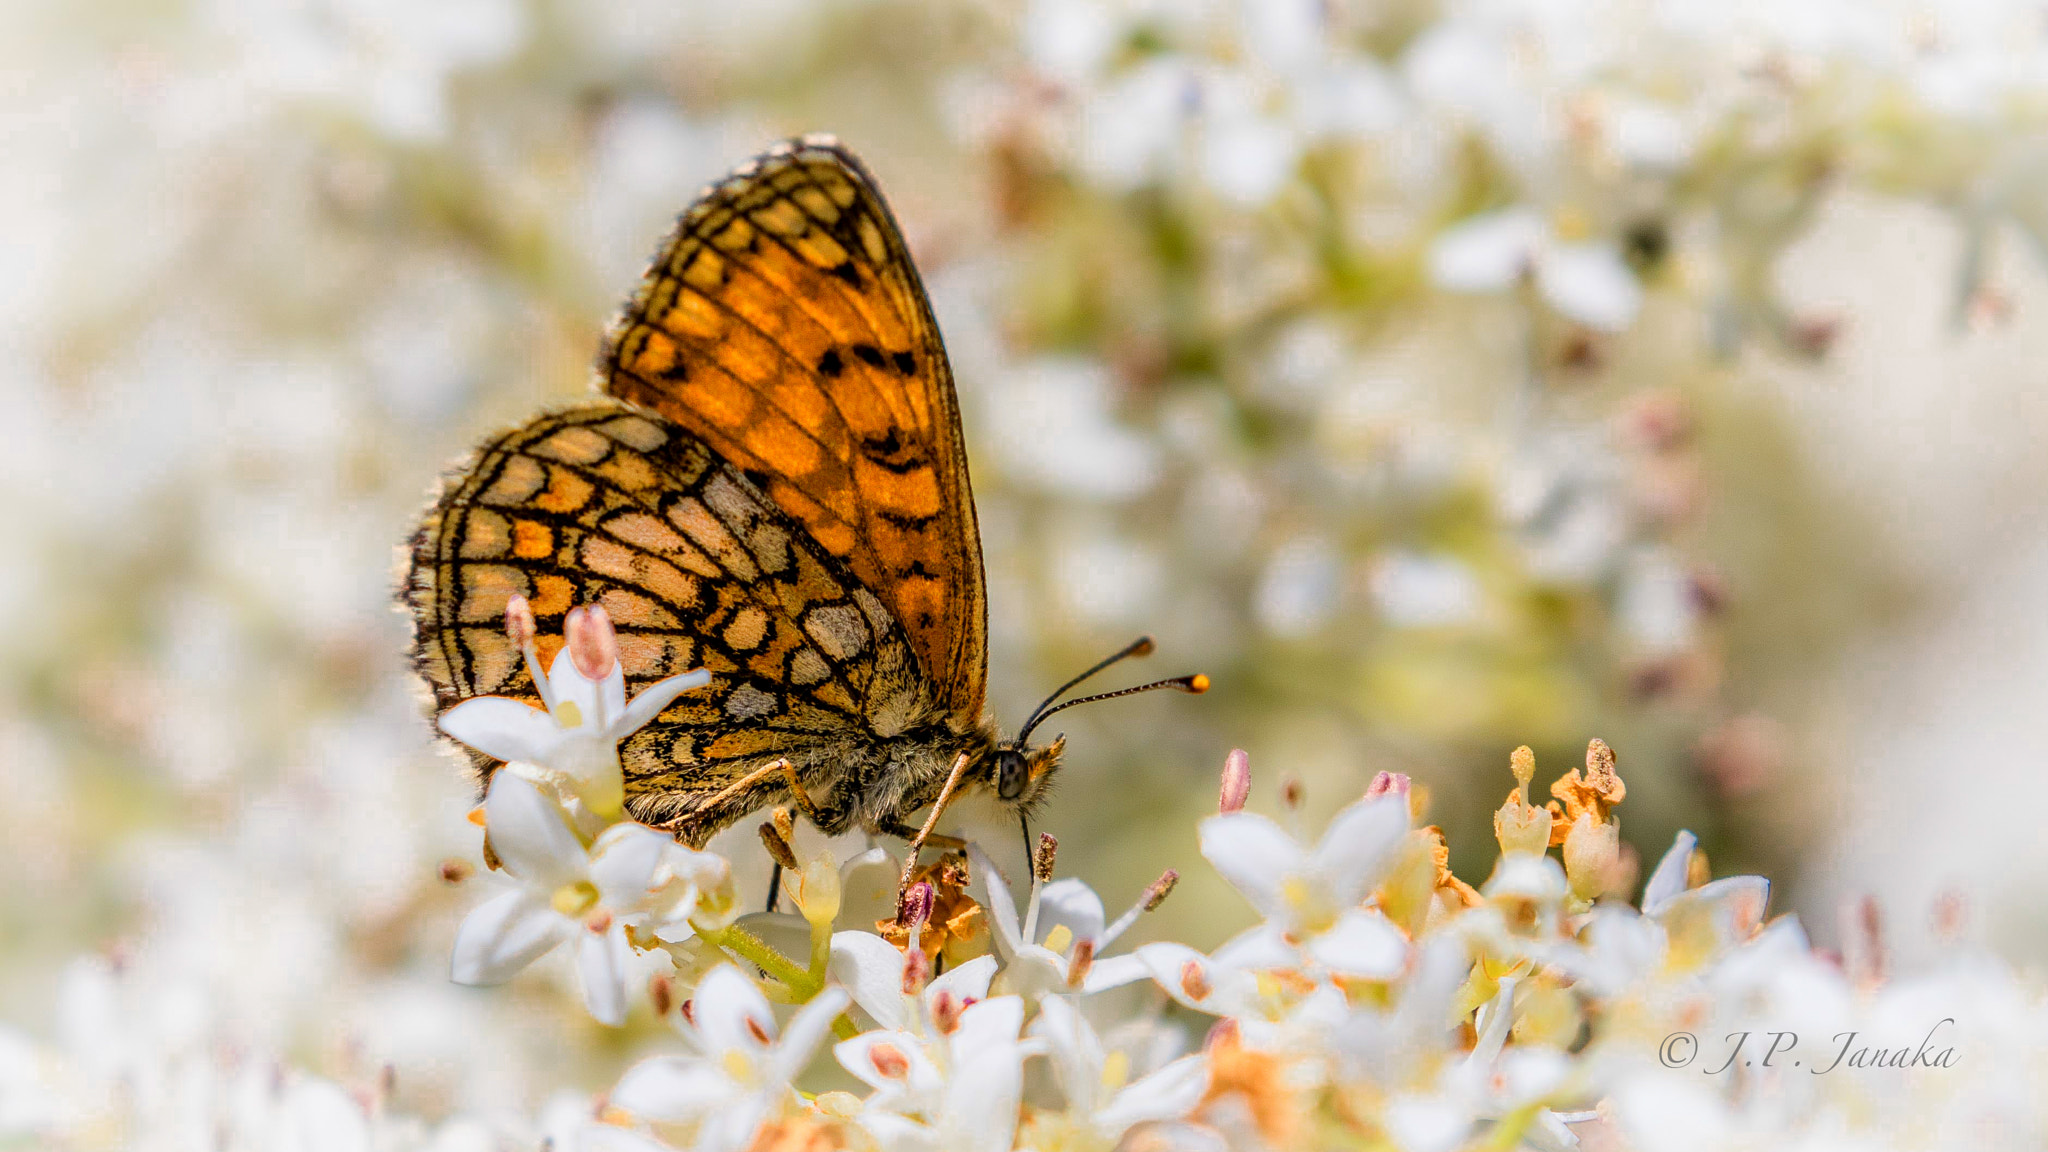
777, 492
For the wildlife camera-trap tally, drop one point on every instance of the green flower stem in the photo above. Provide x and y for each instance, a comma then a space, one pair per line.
758, 952
821, 950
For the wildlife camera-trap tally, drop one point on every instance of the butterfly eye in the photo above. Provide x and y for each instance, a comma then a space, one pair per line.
1011, 774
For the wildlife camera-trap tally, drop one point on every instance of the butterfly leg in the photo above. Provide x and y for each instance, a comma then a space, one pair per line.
899, 829
924, 834
819, 820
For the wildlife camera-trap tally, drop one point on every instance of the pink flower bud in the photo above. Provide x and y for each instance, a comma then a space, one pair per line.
593, 645
519, 623
1387, 783
1237, 781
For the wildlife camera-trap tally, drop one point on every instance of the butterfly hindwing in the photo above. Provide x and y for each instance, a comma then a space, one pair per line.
784, 325
605, 505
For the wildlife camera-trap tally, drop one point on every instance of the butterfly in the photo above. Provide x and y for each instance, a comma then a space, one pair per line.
775, 488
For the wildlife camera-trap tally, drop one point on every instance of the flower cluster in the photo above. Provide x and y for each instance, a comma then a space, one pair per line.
1379, 1001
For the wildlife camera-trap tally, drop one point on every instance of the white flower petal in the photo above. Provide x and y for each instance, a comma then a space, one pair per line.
1259, 948
502, 728
982, 1096
1076, 1052
730, 1012
1115, 972
595, 1137
988, 1024
1199, 982
673, 1088
1592, 284
503, 935
872, 970
655, 697
577, 697
1357, 846
626, 863
1668, 879
899, 1133
734, 1126
968, 982
1255, 855
601, 967
919, 1076
1074, 904
1167, 1094
1487, 253
531, 833
805, 1030
1002, 911
1362, 943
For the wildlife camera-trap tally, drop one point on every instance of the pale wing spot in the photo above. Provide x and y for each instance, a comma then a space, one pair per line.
608, 558
877, 612
632, 610
486, 587
747, 702
485, 535
520, 479
697, 522
636, 432
835, 186
706, 270
781, 217
694, 317
807, 668
630, 471
871, 240
645, 531
738, 236
822, 251
746, 630
566, 492
770, 545
838, 629
574, 445
492, 658
816, 203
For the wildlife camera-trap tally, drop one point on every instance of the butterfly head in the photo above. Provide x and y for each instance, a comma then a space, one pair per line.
1020, 773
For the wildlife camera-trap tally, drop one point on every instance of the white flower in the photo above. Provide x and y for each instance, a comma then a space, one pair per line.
1586, 280
957, 1093
1250, 980
871, 968
737, 1073
1063, 921
567, 890
1097, 1098
1311, 898
573, 742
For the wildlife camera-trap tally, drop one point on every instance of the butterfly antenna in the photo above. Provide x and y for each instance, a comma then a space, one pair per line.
1142, 646
1193, 685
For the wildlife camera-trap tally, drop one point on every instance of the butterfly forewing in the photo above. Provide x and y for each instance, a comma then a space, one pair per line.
785, 326
605, 505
